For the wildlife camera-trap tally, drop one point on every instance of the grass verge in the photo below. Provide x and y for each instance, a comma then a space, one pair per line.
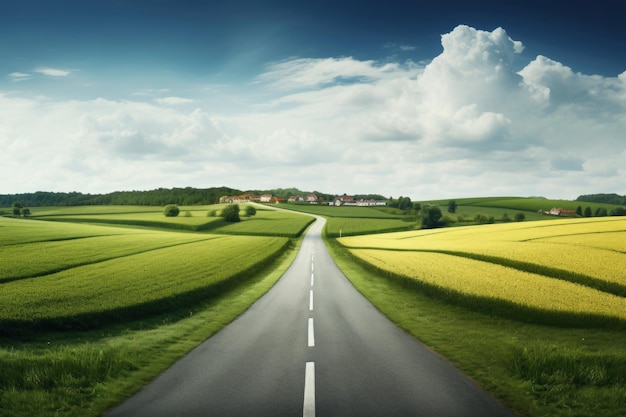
535, 370
85, 373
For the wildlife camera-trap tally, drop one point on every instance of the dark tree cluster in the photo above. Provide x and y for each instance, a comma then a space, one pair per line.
181, 196
604, 198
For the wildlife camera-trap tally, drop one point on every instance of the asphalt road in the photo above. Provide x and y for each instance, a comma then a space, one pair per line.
311, 346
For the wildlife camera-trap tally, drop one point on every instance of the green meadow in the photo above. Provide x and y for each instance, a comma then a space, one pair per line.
95, 301
266, 221
534, 362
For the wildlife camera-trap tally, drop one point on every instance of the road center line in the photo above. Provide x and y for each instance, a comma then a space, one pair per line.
311, 333
312, 279
312, 267
308, 409
311, 300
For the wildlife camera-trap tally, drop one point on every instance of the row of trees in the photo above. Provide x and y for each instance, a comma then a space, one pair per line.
181, 196
432, 217
613, 199
18, 209
230, 213
600, 212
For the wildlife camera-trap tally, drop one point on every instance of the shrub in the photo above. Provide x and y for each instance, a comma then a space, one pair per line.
211, 213
481, 218
430, 216
171, 210
618, 211
188, 214
250, 211
231, 213
519, 217
447, 220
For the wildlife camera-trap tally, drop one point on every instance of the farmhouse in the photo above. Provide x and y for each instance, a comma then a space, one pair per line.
561, 212
237, 199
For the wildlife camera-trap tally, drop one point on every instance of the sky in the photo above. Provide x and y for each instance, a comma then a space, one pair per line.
399, 98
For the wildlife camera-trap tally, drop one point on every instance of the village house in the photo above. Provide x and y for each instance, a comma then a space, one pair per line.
561, 212
311, 198
344, 200
239, 199
369, 203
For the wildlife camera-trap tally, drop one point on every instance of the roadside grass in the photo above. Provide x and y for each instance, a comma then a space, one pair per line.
82, 374
535, 370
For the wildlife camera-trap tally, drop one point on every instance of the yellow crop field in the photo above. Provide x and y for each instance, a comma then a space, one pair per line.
485, 279
574, 266
592, 247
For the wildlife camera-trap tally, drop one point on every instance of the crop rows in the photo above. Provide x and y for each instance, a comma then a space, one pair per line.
495, 281
264, 223
84, 275
38, 259
569, 268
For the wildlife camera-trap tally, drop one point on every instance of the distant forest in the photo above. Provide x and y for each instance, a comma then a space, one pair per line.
182, 196
604, 198
187, 196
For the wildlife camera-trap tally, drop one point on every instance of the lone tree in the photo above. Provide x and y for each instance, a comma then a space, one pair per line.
430, 216
171, 210
17, 208
452, 206
520, 217
250, 211
231, 213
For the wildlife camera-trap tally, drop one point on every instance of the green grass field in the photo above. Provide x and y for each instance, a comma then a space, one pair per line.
540, 306
514, 268
266, 222
81, 306
535, 370
103, 274
95, 304
351, 220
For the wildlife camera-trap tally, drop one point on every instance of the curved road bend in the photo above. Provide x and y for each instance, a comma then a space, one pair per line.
311, 346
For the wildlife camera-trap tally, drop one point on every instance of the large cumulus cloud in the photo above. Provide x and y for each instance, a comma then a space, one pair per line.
474, 120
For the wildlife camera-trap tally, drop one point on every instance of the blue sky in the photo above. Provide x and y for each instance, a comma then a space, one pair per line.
398, 97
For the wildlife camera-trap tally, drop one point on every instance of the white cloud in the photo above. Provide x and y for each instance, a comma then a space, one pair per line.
52, 72
19, 76
173, 101
303, 73
467, 123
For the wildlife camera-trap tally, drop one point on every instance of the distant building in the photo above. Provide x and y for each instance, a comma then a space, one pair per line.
561, 212
239, 199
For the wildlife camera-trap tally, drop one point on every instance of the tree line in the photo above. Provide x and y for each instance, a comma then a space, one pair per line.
182, 196
613, 199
